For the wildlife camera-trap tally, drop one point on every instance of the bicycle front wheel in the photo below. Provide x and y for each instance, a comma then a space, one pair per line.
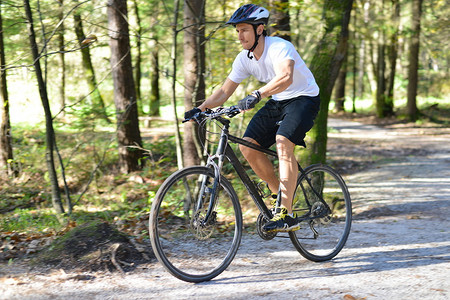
195, 236
325, 232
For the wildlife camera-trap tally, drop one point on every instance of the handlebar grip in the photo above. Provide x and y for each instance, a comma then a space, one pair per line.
194, 117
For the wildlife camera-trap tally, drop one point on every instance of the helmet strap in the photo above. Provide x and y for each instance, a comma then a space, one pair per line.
255, 44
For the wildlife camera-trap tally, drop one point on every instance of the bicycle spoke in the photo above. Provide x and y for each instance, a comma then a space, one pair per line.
191, 242
323, 193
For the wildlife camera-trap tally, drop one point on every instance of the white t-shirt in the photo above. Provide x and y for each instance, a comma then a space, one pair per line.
276, 50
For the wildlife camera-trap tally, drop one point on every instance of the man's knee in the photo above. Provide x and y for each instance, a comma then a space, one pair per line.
247, 151
284, 145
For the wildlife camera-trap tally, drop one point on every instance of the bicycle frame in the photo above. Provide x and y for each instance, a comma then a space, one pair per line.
223, 151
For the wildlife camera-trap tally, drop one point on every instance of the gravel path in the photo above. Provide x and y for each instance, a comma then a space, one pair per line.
399, 246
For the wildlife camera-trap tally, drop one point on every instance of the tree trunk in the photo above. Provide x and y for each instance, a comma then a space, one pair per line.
194, 70
128, 133
363, 50
370, 65
97, 100
279, 19
384, 104
380, 69
154, 84
154, 77
6, 150
393, 53
49, 132
325, 66
137, 65
339, 89
381, 80
354, 61
361, 67
178, 145
62, 87
412, 111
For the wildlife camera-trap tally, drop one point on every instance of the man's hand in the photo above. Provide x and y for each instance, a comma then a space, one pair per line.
190, 113
250, 101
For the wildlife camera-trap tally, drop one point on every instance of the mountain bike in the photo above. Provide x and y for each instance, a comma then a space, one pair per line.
196, 219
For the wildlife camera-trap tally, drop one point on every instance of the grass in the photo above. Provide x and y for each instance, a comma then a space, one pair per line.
30, 221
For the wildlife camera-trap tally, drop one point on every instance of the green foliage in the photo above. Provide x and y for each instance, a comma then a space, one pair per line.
112, 197
30, 221
29, 148
19, 197
85, 116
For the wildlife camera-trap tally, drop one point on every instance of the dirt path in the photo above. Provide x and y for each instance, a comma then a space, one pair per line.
399, 246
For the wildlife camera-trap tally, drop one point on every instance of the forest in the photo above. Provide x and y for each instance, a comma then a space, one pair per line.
92, 93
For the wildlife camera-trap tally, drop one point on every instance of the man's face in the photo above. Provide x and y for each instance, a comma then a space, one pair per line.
246, 35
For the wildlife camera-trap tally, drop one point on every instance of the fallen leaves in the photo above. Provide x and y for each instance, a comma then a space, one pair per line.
15, 244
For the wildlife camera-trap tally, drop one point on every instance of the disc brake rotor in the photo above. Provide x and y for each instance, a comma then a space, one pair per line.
201, 229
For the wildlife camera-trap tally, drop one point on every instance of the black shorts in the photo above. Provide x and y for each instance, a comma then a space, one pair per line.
296, 115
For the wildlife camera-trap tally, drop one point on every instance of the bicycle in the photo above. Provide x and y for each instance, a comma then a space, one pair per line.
196, 218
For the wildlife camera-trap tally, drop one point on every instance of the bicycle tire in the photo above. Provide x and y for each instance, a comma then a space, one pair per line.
189, 248
321, 239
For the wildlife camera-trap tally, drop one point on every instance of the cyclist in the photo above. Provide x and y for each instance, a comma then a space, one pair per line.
284, 119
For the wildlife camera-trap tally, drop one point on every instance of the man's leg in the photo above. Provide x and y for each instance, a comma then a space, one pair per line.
283, 219
288, 170
261, 165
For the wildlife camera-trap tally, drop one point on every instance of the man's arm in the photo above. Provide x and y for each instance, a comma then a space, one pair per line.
283, 79
220, 96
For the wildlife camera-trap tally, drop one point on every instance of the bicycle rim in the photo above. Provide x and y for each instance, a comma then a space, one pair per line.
322, 238
189, 247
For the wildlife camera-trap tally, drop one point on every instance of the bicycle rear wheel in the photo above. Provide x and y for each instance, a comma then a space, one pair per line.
191, 247
322, 237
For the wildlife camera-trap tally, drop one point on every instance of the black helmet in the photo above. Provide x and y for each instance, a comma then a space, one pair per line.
251, 14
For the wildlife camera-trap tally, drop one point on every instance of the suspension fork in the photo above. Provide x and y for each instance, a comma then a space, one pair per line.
217, 167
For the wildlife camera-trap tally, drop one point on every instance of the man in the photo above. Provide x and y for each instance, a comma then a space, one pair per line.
284, 119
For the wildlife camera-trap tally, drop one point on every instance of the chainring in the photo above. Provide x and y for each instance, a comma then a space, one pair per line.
260, 222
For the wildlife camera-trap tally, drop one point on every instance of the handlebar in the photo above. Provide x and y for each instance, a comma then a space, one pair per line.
215, 114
